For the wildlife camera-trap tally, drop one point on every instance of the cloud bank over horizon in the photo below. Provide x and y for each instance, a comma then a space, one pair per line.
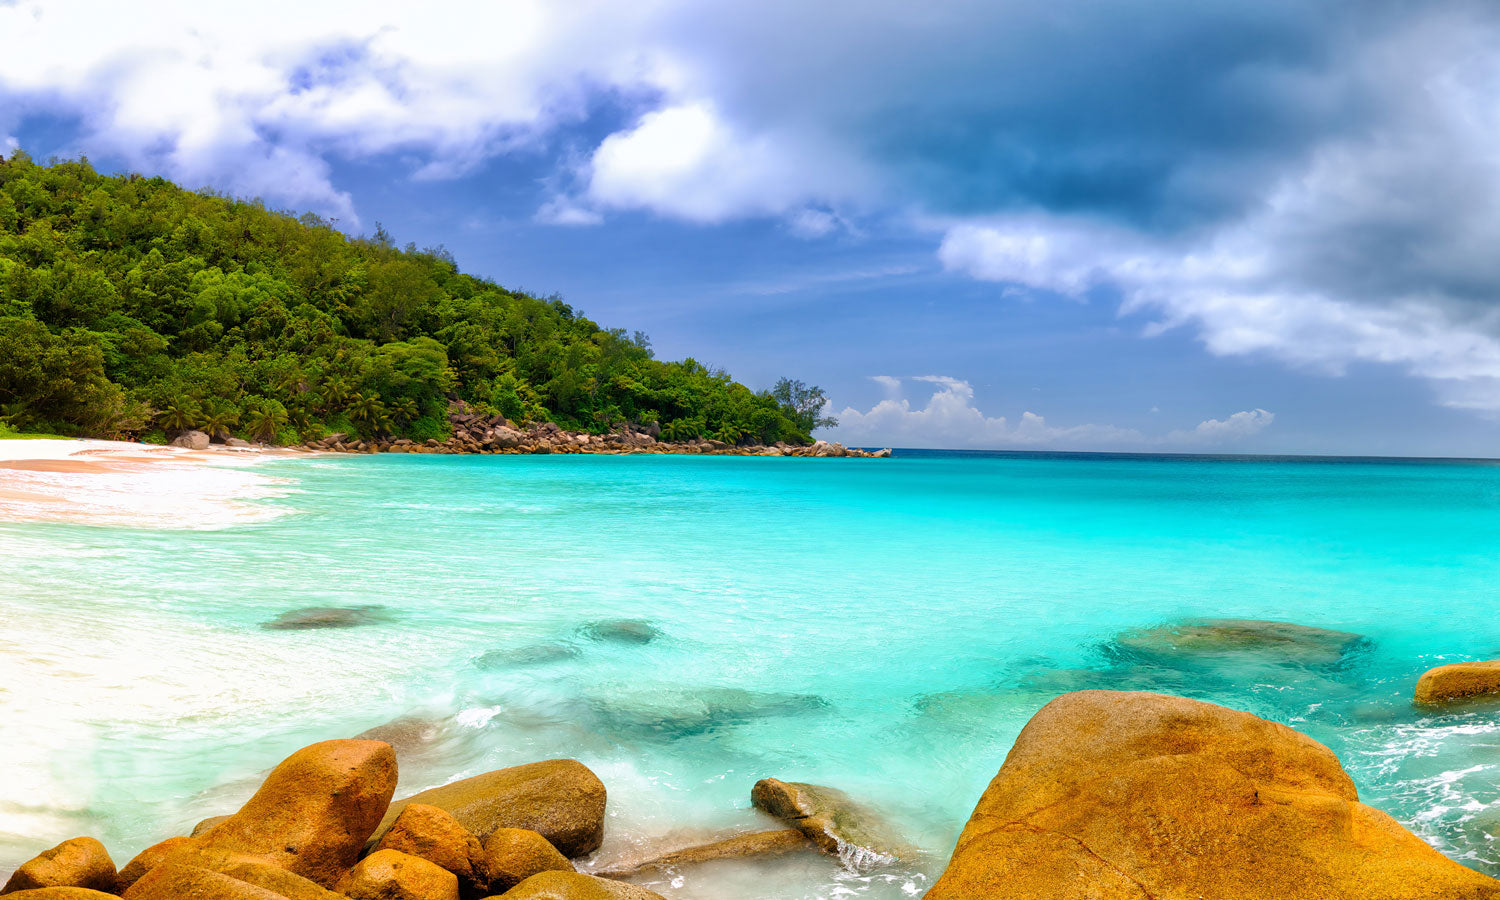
949, 419
1315, 185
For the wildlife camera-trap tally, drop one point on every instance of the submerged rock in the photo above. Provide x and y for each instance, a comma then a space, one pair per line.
1130, 796
621, 631
315, 811
832, 821
512, 855
680, 712
392, 875
532, 655
559, 798
1459, 681
1206, 640
740, 846
326, 617
78, 863
573, 886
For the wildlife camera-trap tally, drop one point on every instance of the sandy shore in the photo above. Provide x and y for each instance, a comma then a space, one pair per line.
122, 483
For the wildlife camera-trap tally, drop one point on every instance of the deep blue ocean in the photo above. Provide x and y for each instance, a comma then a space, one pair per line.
882, 626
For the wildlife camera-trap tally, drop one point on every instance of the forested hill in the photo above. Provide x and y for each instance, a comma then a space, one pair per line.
132, 307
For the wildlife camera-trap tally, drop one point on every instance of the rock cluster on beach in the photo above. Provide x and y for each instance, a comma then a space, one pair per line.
322, 826
475, 433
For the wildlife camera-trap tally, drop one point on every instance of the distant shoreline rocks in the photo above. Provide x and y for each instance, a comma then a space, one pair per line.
474, 433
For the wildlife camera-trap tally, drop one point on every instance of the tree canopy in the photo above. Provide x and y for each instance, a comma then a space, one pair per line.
132, 307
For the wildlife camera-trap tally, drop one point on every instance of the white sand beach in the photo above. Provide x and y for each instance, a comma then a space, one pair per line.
123, 483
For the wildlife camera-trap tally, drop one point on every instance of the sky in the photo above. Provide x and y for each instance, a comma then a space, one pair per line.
1144, 225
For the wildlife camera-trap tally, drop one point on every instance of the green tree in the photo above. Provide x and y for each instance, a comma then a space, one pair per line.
803, 405
266, 419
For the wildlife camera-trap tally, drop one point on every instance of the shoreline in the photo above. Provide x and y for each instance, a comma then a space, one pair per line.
100, 482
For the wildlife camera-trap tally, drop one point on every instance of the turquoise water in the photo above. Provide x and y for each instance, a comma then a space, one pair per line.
885, 627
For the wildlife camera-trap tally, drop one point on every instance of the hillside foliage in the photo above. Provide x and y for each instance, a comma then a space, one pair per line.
131, 307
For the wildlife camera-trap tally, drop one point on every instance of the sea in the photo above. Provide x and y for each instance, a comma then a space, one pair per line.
687, 625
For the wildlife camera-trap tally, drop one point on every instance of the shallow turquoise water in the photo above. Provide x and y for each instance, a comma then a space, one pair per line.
886, 627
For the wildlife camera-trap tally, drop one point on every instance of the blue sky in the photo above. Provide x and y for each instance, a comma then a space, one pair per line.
1167, 225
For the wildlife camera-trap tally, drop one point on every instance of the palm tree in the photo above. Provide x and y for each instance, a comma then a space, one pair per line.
335, 392
682, 430
729, 434
404, 411
266, 420
218, 419
368, 411
179, 416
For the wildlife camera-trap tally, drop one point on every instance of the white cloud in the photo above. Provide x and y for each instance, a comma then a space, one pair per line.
8, 145
949, 419
567, 211
1218, 431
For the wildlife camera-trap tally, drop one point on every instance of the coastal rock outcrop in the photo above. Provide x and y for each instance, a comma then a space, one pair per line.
177, 881
574, 886
78, 863
832, 821
512, 855
1459, 681
315, 811
559, 798
433, 834
1214, 639
392, 875
1130, 796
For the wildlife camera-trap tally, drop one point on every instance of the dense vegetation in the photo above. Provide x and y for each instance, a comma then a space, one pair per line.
132, 307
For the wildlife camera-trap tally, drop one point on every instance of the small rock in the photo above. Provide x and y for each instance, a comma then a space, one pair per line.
573, 886
621, 631
391, 875
192, 440
79, 863
512, 855
1459, 681
560, 798
326, 617
830, 820
433, 834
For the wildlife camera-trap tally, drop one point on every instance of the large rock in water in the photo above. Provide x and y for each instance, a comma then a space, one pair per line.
559, 798
1134, 796
315, 811
1215, 639
830, 820
153, 856
573, 886
79, 863
1459, 681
